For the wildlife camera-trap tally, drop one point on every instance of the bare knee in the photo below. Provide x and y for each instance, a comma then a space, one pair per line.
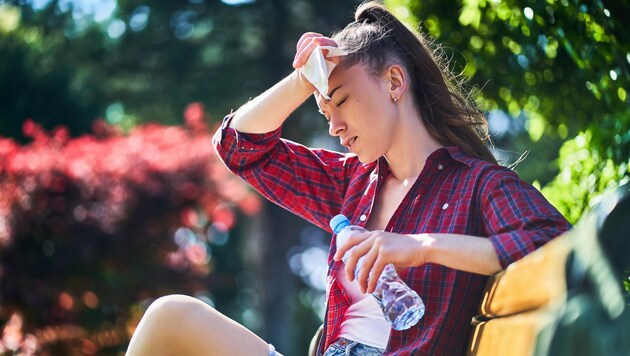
182, 325
169, 309
167, 324
174, 303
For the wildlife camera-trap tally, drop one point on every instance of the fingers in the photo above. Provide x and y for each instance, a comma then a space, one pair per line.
368, 285
361, 250
377, 249
370, 271
372, 265
306, 44
303, 53
354, 239
308, 36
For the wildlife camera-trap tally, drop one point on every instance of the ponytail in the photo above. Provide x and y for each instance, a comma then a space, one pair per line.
377, 39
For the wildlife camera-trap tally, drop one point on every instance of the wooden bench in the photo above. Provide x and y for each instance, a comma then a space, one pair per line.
565, 298
520, 301
522, 304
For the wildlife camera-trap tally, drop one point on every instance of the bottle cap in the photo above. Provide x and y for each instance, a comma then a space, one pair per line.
338, 222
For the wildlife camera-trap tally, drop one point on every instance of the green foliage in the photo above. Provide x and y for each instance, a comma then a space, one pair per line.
148, 60
563, 66
584, 174
39, 77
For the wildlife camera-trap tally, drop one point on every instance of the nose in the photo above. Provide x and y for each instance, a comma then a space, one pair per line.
335, 126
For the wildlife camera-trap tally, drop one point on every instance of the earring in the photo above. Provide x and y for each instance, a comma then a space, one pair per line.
395, 99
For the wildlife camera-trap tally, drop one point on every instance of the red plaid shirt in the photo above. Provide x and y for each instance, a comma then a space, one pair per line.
455, 193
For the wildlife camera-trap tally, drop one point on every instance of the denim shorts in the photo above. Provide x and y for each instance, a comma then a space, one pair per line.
345, 347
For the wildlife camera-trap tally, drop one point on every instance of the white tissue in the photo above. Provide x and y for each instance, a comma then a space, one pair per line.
317, 68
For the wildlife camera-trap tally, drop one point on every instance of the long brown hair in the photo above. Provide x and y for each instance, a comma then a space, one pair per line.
377, 39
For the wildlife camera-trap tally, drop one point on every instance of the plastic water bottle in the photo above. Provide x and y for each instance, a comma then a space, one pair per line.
401, 305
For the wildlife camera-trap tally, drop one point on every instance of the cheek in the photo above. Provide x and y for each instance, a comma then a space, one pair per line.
367, 108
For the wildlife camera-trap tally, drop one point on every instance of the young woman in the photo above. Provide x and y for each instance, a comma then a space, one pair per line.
419, 177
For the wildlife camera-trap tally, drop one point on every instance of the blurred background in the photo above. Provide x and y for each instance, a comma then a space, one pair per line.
111, 194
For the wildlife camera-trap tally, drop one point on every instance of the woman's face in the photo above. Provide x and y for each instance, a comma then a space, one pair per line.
360, 111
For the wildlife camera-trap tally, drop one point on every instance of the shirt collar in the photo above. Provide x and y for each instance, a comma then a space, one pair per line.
455, 153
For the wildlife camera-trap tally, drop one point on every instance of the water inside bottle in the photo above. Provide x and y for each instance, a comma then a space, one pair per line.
402, 307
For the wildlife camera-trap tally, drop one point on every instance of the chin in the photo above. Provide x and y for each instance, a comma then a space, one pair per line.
366, 159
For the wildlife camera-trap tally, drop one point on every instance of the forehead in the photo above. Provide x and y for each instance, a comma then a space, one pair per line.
343, 74
353, 77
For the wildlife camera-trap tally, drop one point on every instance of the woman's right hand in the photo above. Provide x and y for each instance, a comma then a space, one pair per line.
307, 43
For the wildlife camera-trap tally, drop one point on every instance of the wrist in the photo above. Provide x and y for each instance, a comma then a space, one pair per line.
301, 82
427, 248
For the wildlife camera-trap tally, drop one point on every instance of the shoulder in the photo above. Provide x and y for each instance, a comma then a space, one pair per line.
478, 167
485, 179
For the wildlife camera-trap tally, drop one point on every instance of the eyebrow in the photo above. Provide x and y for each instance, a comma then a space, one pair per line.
333, 92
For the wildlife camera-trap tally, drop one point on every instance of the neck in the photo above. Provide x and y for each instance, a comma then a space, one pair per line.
413, 144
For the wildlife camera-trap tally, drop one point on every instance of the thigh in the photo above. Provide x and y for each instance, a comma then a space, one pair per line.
182, 325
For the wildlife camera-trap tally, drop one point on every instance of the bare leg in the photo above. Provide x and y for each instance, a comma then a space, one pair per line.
182, 325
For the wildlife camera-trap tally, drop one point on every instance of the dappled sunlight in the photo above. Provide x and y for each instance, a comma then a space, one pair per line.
98, 217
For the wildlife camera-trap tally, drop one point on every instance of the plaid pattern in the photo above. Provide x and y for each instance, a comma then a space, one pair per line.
455, 193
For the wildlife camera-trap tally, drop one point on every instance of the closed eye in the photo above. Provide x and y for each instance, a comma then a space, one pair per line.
342, 101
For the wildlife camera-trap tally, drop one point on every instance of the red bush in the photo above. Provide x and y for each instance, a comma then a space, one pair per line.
91, 226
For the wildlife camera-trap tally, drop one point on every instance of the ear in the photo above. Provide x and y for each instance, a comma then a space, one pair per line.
396, 78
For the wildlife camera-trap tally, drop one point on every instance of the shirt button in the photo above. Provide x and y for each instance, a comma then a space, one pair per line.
363, 217
444, 206
440, 167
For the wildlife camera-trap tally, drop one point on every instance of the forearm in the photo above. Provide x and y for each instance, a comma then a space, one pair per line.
270, 109
462, 252
379, 248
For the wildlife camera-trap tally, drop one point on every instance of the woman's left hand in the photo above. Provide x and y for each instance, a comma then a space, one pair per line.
381, 248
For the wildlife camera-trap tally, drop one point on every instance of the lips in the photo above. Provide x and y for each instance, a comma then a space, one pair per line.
349, 141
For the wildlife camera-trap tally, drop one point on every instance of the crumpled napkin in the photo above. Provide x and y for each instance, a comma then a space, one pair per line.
317, 68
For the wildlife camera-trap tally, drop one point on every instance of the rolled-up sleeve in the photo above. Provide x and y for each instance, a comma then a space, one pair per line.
238, 149
309, 182
517, 218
